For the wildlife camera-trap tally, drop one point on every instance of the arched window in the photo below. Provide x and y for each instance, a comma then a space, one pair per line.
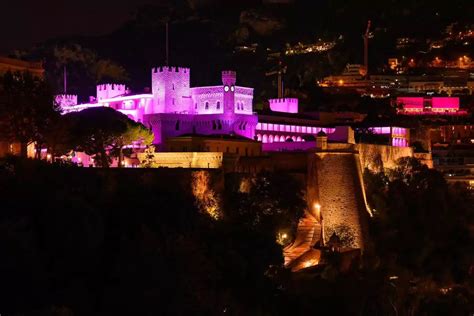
265, 139
259, 137
282, 138
218, 105
195, 106
177, 125
207, 106
270, 139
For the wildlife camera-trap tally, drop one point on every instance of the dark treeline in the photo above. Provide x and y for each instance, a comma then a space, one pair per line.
89, 241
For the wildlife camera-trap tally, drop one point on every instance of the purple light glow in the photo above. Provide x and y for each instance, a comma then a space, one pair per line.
430, 106
285, 105
174, 108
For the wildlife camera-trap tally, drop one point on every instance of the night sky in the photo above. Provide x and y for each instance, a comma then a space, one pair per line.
26, 22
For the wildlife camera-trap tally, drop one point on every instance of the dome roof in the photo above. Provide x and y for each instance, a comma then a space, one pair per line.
321, 133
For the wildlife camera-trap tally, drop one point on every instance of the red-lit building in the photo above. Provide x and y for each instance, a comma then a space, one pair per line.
429, 106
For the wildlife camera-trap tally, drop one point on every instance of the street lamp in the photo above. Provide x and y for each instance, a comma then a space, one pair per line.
317, 208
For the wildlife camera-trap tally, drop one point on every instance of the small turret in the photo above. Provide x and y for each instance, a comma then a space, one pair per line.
65, 100
110, 90
321, 141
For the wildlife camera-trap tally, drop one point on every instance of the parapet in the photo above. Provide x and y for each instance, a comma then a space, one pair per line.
64, 100
111, 86
110, 90
286, 105
170, 69
229, 77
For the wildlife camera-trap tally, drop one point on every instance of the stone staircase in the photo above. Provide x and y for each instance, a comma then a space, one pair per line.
307, 234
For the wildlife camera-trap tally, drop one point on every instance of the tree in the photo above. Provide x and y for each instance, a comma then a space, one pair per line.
134, 132
99, 131
27, 109
266, 206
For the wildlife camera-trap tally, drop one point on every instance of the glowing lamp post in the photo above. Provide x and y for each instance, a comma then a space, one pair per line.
319, 216
317, 208
283, 238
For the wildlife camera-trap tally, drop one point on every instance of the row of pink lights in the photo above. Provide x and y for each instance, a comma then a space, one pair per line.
387, 130
277, 138
448, 103
293, 128
399, 142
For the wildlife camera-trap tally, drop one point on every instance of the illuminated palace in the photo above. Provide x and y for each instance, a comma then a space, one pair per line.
174, 108
215, 127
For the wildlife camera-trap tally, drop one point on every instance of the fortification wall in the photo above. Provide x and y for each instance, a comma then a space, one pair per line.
341, 197
211, 160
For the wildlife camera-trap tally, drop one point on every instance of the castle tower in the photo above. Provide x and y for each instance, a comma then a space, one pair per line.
171, 92
228, 80
65, 100
110, 90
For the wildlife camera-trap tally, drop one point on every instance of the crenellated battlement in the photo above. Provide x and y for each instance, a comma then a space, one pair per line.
66, 99
170, 69
230, 73
286, 105
283, 100
111, 86
110, 90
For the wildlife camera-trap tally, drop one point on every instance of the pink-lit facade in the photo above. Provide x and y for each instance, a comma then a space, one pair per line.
174, 108
275, 133
399, 136
429, 106
285, 105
